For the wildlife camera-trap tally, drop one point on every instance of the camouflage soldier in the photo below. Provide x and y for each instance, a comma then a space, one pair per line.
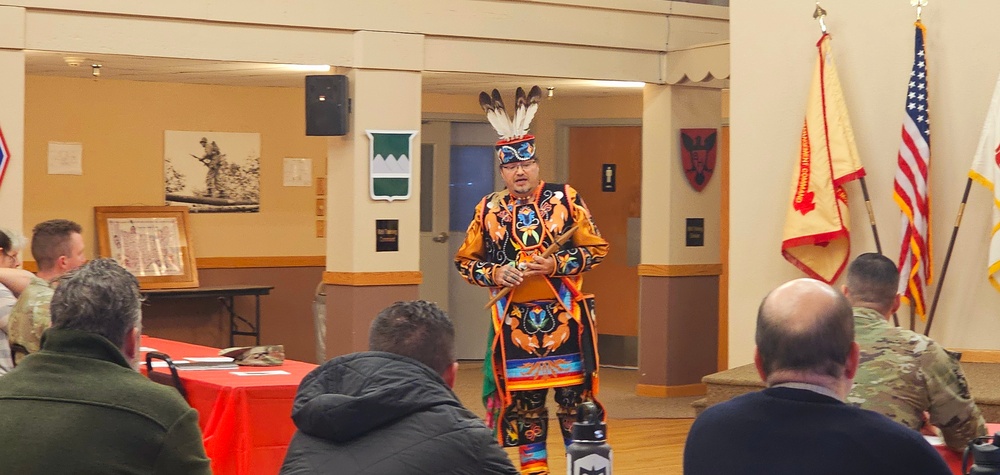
57, 247
902, 374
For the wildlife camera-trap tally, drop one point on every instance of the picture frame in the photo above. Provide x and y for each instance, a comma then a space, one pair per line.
151, 242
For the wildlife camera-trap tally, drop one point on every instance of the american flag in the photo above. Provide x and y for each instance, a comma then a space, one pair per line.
910, 188
4, 156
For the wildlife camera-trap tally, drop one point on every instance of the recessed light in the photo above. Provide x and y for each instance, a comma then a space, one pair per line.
310, 68
626, 84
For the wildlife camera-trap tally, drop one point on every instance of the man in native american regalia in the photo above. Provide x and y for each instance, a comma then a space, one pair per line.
532, 242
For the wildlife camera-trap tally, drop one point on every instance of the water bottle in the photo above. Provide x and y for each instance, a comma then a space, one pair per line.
589, 454
985, 456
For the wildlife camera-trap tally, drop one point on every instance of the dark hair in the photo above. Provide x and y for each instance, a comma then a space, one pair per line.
11, 241
873, 279
821, 348
416, 329
50, 240
5, 241
100, 297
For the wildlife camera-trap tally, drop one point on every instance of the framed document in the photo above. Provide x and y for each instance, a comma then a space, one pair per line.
151, 242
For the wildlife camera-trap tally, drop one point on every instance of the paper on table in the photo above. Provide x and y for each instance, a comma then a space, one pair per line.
146, 349
163, 364
209, 359
259, 373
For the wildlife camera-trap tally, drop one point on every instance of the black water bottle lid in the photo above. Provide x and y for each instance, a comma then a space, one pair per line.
588, 426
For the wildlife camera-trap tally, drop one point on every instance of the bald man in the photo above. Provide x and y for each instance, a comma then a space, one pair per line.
807, 356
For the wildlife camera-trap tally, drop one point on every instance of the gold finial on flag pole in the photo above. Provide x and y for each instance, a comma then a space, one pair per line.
920, 4
820, 14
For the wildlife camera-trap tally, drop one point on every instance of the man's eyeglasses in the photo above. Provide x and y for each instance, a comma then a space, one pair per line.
525, 165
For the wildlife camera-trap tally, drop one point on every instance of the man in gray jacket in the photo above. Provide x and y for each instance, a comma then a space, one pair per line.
391, 410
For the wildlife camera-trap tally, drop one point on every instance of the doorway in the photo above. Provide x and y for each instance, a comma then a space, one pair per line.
605, 167
461, 171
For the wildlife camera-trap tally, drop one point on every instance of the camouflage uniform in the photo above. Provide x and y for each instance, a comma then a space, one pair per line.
30, 316
903, 374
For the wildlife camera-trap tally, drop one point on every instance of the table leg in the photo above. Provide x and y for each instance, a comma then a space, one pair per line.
235, 319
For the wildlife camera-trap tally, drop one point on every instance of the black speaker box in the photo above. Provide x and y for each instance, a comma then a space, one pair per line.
326, 105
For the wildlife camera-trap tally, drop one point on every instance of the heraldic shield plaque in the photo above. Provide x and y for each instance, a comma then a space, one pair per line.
698, 150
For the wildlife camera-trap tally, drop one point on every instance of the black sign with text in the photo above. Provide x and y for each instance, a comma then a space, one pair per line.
386, 235
695, 232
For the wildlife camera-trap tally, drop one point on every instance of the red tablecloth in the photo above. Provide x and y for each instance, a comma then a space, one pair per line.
953, 458
245, 420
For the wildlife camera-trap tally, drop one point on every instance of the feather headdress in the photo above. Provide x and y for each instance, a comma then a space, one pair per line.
515, 144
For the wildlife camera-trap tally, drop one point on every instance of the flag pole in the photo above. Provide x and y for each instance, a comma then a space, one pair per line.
871, 220
871, 214
819, 13
947, 256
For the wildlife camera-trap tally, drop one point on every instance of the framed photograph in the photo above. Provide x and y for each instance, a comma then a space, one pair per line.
152, 242
213, 172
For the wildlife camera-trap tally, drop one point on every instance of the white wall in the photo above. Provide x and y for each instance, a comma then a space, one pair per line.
773, 53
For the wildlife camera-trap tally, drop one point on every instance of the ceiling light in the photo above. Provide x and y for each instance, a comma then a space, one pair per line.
633, 84
95, 69
74, 61
307, 68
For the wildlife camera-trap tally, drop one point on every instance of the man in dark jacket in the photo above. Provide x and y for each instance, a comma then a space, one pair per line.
79, 406
391, 410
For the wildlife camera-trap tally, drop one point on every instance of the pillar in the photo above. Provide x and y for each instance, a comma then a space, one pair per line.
385, 92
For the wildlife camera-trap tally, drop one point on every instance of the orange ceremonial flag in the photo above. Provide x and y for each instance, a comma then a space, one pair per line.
816, 238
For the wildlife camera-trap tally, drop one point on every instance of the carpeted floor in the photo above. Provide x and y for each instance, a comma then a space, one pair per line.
617, 393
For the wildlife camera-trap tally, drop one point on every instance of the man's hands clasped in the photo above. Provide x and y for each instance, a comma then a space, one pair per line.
512, 276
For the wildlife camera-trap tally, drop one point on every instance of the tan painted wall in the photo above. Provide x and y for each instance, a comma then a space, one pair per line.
873, 49
121, 124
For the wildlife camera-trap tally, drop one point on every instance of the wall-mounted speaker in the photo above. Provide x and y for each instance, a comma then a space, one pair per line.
326, 105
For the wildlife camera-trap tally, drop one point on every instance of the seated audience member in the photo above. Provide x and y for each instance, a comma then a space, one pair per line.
391, 410
903, 374
79, 406
11, 244
57, 247
799, 424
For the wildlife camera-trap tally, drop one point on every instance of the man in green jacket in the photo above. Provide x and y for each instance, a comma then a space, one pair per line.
79, 406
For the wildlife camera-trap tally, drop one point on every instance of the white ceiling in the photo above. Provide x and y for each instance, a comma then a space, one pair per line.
135, 68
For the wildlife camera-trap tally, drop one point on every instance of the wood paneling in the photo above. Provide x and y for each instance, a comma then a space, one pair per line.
723, 168
259, 261
614, 281
679, 270
361, 279
286, 314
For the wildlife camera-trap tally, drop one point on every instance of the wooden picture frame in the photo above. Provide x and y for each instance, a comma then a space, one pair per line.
151, 242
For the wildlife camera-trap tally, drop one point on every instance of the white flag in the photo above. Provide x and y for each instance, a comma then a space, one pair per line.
986, 171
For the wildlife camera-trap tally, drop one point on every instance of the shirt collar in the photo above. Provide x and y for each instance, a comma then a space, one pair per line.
809, 387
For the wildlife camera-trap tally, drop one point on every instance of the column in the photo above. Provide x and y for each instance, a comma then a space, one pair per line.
678, 279
12, 116
385, 88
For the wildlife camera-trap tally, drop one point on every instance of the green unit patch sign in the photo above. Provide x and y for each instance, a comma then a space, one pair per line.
391, 168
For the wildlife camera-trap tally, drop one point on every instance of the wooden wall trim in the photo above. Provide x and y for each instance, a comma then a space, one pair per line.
723, 169
652, 390
978, 356
238, 262
359, 279
680, 270
259, 261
